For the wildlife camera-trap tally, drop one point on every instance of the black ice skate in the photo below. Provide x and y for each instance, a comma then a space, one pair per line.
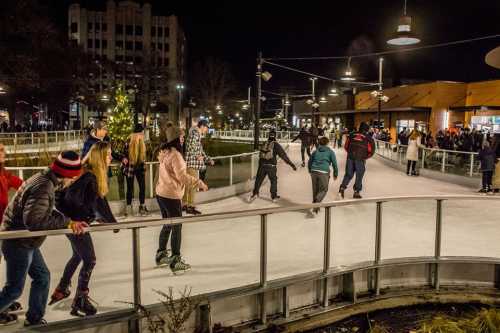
82, 306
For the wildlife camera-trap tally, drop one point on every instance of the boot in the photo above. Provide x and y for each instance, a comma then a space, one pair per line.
252, 198
82, 306
143, 211
7, 319
59, 294
357, 195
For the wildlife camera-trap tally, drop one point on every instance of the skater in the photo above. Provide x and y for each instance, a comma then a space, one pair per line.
267, 166
85, 200
305, 144
8, 181
133, 166
488, 159
172, 182
319, 168
414, 144
32, 208
196, 160
359, 147
496, 173
339, 134
97, 134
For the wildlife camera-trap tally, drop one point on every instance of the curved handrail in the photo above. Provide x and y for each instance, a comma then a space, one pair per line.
152, 222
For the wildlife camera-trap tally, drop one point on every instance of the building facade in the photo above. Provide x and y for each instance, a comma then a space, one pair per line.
147, 52
430, 107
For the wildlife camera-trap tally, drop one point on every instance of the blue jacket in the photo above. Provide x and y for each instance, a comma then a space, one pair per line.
321, 159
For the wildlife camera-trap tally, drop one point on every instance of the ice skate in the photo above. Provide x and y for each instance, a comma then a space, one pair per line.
192, 211
163, 258
7, 319
143, 211
129, 211
310, 214
59, 294
252, 198
82, 306
15, 307
276, 199
357, 195
28, 323
341, 194
178, 265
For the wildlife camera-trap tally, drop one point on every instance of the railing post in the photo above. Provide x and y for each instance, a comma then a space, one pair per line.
136, 257
56, 138
21, 174
230, 171
437, 247
423, 159
263, 266
151, 181
471, 171
378, 246
443, 163
326, 254
15, 139
46, 138
32, 138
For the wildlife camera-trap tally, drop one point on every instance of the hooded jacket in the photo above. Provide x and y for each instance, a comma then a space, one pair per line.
173, 177
321, 159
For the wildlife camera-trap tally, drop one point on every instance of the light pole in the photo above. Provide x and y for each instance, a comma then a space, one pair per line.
256, 125
180, 88
313, 103
104, 100
379, 94
192, 105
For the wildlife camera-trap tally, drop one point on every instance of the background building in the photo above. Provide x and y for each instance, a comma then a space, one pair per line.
130, 45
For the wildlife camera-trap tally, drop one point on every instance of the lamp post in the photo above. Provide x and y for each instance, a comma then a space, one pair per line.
192, 105
313, 103
180, 88
104, 99
256, 125
379, 94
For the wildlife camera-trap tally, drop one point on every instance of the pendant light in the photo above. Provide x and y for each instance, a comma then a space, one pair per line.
404, 34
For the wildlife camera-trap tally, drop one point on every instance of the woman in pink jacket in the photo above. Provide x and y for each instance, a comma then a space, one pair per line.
172, 182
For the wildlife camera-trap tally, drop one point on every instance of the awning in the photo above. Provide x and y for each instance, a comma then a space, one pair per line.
474, 108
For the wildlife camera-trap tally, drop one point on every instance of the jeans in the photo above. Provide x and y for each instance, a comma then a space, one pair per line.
269, 171
170, 208
319, 185
190, 192
21, 261
83, 250
303, 149
411, 167
487, 179
139, 174
354, 167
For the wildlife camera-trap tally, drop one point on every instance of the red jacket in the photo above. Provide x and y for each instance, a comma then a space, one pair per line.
7, 181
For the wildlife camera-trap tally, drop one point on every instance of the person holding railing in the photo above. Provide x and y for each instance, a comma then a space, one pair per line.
85, 200
32, 209
196, 160
133, 166
173, 181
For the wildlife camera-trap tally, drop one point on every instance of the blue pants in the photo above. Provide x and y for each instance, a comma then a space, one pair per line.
354, 167
20, 262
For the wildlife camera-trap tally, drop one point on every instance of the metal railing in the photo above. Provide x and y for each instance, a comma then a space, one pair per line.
227, 171
248, 135
327, 270
39, 138
445, 161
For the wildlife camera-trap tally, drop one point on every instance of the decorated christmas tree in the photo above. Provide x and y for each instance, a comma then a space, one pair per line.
121, 120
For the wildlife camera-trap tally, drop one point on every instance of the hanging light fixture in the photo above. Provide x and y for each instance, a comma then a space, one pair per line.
348, 73
323, 100
333, 92
404, 34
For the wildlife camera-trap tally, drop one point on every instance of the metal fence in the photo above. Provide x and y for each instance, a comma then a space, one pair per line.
445, 161
39, 138
328, 239
248, 135
227, 171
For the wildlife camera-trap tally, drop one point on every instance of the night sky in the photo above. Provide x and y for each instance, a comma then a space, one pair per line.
236, 30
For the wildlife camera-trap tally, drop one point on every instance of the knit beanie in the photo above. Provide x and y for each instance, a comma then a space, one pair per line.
67, 165
173, 133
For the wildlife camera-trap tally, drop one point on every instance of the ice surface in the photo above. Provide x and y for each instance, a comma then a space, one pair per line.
225, 253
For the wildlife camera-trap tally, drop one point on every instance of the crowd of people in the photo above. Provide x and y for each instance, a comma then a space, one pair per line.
71, 193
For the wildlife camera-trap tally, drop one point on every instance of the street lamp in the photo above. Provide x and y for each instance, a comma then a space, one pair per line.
2, 90
404, 34
105, 99
180, 88
323, 100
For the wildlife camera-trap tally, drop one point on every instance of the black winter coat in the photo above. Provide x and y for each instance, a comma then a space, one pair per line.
32, 208
277, 151
81, 201
487, 157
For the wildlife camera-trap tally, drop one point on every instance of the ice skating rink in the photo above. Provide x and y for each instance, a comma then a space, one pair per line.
225, 254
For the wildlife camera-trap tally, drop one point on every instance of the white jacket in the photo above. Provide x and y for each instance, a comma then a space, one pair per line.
412, 151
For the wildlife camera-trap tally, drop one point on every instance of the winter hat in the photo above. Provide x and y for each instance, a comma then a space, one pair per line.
203, 123
173, 133
138, 128
363, 127
67, 165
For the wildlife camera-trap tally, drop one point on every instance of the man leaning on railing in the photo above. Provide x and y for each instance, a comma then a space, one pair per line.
32, 209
